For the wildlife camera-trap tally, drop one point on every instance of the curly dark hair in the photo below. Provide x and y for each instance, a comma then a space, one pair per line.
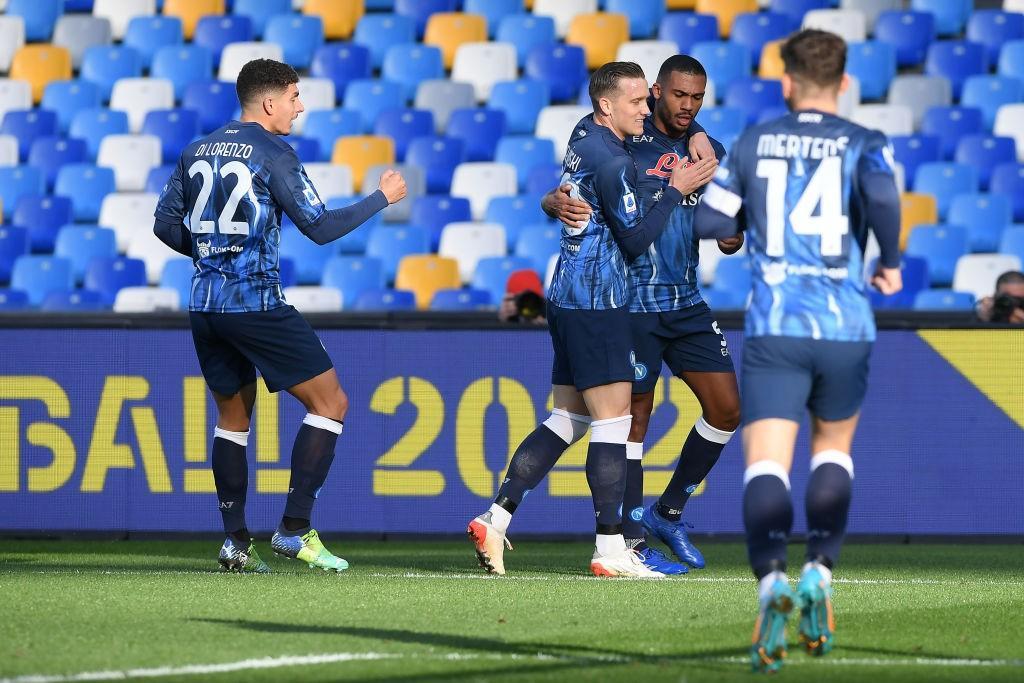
261, 76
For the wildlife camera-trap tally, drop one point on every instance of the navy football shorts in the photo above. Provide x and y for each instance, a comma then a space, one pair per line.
592, 347
279, 342
785, 376
687, 340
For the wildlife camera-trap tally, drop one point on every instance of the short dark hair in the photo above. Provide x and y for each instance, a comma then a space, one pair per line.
606, 79
1010, 277
684, 64
261, 76
814, 57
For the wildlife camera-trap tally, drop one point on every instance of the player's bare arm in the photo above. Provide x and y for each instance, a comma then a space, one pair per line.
560, 204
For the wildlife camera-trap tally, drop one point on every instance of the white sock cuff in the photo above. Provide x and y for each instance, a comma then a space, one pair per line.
321, 422
835, 457
634, 450
712, 434
241, 438
766, 468
613, 430
569, 427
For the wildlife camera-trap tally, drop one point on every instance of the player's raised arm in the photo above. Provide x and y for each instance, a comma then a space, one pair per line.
170, 213
882, 209
719, 214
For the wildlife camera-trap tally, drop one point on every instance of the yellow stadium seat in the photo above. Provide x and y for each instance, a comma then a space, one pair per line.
340, 18
599, 34
424, 274
771, 60
448, 30
39, 64
916, 209
359, 152
189, 11
680, 4
726, 11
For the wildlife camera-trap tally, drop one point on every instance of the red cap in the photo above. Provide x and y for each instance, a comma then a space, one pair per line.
522, 280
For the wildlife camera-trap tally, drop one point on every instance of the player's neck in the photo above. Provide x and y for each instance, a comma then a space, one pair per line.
250, 118
826, 105
664, 130
606, 121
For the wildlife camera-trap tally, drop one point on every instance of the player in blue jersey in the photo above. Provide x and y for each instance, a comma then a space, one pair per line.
670, 320
588, 318
222, 206
806, 188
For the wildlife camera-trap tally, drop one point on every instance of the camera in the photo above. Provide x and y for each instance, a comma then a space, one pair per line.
529, 304
1003, 305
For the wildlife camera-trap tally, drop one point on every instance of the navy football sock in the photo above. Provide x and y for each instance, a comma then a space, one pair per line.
828, 502
231, 477
606, 471
767, 516
633, 499
700, 452
312, 456
534, 458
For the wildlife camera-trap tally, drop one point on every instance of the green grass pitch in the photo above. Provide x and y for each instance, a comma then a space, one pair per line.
421, 611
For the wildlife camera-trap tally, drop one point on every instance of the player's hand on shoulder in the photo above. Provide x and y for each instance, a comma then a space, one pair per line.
560, 204
887, 280
700, 147
692, 176
392, 184
730, 245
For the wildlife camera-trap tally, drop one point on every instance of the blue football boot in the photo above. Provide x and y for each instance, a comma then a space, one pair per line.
655, 560
768, 646
672, 534
817, 623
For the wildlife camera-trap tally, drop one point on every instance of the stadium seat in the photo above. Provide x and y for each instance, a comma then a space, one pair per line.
1011, 59
17, 181
796, 9
449, 30
909, 32
183, 65
378, 32
39, 65
146, 300
977, 273
120, 13
39, 16
524, 152
42, 217
13, 300
562, 67
492, 273
945, 180
15, 96
460, 300
314, 299
556, 124
353, 275
128, 213
1011, 242
916, 209
12, 39
726, 11
870, 9
104, 65
67, 98
177, 275
688, 29
433, 212
771, 64
309, 257
874, 65
467, 243
92, 125
325, 126
521, 101
390, 244
147, 247
950, 124
419, 11
415, 183
190, 11
985, 152
599, 34
77, 32
342, 63
563, 12
1008, 180
302, 36
175, 128
330, 180
215, 32
643, 15
993, 28
1010, 123
754, 95
891, 119
943, 300
411, 64
48, 154
441, 97
989, 93
913, 150
386, 300
8, 152
733, 273
137, 97
754, 30
13, 243
37, 276
538, 242
950, 15
359, 152
724, 62
526, 31
985, 216
493, 11
402, 126
941, 245
512, 213
339, 18
483, 65
131, 157
259, 12
317, 94
919, 93
724, 123
438, 156
956, 61
479, 129
72, 301
79, 244
237, 55
543, 178
306, 149
424, 275
216, 103
85, 185
158, 177
850, 25
27, 126
915, 279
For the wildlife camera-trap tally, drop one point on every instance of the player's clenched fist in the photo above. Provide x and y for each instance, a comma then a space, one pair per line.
690, 177
392, 184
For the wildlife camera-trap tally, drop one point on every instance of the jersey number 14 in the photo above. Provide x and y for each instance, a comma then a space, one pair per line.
824, 191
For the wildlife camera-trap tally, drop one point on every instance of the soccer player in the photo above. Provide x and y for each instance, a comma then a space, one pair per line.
806, 187
222, 206
588, 317
670, 320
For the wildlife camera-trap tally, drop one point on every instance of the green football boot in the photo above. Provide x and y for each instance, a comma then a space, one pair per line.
307, 548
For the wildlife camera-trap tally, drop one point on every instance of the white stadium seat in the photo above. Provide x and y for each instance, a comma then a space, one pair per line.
330, 180
649, 54
78, 32
8, 150
483, 65
977, 273
12, 38
480, 181
441, 97
315, 93
891, 119
415, 184
146, 246
562, 11
849, 100
468, 242
132, 157
556, 123
138, 96
120, 12
314, 299
14, 95
850, 25
146, 300
128, 214
237, 55
1010, 123
871, 9
919, 93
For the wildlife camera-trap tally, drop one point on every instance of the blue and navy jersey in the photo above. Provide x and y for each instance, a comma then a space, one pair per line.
797, 184
229, 190
664, 278
591, 272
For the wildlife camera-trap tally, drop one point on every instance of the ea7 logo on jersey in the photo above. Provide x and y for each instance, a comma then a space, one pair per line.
629, 202
663, 169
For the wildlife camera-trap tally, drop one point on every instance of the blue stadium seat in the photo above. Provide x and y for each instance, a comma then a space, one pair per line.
914, 150
48, 154
525, 152
73, 301
950, 124
437, 156
158, 177
378, 32
1012, 242
733, 274
985, 216
79, 5
950, 15
353, 275
941, 245
214, 32
724, 123
402, 125
355, 241
307, 149
433, 212
411, 64
260, 11
37, 276
183, 65
309, 257
992, 28
79, 244
40, 16
957, 60
515, 212
725, 62
874, 64
491, 274
369, 97
526, 31
796, 9
177, 275
988, 93
1008, 179
915, 279
18, 181
686, 29
13, 300
754, 29
174, 127
543, 178
538, 243
13, 243
644, 15
215, 101
342, 63
521, 101
85, 185
943, 300
389, 244
105, 64
420, 10
770, 114
562, 67
984, 152
724, 299
108, 276
493, 11
386, 300
327, 125
147, 34
479, 129
1011, 59
945, 179
909, 32
42, 216
300, 37
753, 95
27, 126
460, 300
67, 98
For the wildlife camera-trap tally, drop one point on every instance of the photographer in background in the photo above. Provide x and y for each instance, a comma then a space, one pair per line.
524, 299
1007, 304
